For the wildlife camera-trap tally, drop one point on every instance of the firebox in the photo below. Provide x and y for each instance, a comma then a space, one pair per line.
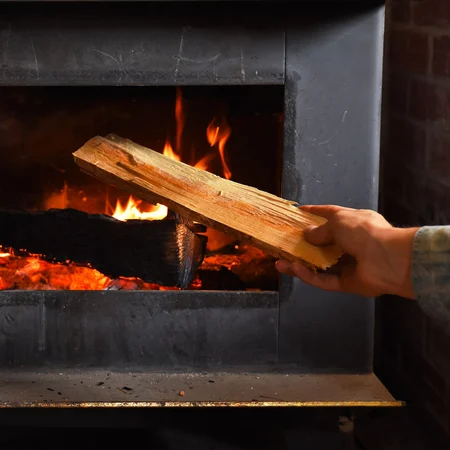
282, 96
233, 131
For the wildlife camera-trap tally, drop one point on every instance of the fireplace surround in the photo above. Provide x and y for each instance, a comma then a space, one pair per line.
327, 63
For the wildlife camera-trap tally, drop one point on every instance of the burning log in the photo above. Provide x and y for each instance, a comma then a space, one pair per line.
164, 252
264, 220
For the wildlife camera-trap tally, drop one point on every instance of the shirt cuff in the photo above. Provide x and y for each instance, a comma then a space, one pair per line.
431, 272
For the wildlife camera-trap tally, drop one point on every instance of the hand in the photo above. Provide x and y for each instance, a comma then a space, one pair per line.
381, 254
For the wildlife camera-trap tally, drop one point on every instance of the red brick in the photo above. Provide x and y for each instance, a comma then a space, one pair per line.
434, 204
440, 64
409, 51
431, 13
412, 332
395, 212
442, 107
407, 142
422, 373
421, 395
439, 158
417, 197
442, 43
426, 207
438, 350
401, 11
398, 88
429, 199
392, 182
441, 56
424, 102
435, 404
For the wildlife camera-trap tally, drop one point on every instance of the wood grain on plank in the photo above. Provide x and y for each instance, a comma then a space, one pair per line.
267, 221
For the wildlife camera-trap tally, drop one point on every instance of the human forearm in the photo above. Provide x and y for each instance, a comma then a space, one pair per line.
396, 275
409, 262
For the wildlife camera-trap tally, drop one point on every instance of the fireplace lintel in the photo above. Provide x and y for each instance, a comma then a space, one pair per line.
138, 44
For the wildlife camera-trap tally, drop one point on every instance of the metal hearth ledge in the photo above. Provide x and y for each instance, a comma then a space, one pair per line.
107, 389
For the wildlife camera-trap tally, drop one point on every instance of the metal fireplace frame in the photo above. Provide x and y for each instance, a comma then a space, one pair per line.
298, 346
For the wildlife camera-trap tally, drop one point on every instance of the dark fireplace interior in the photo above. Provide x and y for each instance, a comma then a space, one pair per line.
233, 131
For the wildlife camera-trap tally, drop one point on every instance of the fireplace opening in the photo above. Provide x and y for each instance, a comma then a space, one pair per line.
235, 132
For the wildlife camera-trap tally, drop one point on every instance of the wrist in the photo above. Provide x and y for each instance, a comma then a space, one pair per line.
398, 245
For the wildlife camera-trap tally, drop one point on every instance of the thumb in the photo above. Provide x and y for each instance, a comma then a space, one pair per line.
320, 235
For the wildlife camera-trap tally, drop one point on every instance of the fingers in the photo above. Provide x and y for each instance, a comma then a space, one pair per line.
320, 235
318, 280
284, 267
325, 211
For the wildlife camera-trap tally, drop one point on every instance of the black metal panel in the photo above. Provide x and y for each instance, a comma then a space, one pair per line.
333, 85
195, 1
139, 44
332, 129
136, 329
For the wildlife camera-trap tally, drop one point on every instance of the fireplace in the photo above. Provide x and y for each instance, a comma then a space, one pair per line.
233, 131
288, 103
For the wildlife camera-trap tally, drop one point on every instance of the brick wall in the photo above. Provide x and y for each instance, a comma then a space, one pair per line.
414, 355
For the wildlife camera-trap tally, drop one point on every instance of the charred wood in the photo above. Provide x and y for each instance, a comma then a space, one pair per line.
164, 252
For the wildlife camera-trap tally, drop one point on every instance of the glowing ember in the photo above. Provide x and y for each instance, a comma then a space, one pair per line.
32, 273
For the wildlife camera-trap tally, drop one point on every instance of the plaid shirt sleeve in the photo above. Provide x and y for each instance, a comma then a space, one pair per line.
431, 272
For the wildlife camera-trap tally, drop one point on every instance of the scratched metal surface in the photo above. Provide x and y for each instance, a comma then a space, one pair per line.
145, 329
92, 388
333, 64
331, 154
95, 44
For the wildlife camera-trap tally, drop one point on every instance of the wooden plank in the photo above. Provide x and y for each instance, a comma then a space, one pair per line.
264, 220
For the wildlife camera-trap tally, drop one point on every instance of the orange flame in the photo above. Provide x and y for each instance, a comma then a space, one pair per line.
168, 151
180, 119
132, 211
203, 163
32, 272
218, 135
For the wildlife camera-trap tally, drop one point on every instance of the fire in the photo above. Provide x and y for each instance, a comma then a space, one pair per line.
30, 272
132, 211
168, 151
217, 134
180, 119
204, 163
34, 272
